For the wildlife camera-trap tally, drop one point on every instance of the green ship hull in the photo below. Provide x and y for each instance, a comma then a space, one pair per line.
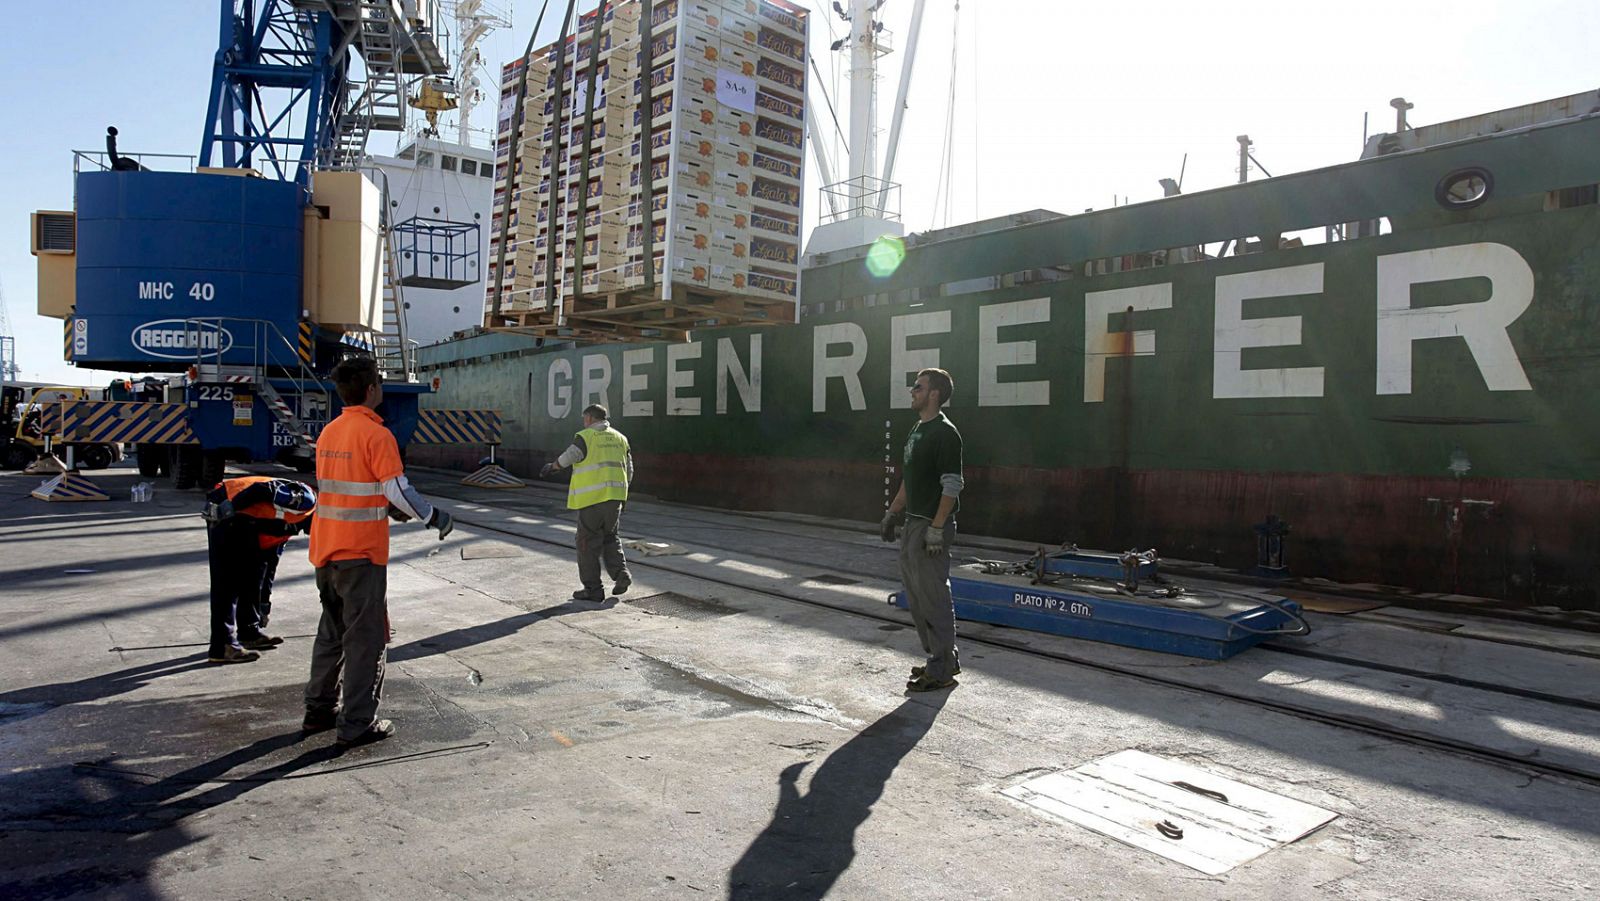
1418, 405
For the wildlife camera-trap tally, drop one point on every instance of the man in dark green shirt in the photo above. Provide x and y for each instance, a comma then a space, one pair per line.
928, 498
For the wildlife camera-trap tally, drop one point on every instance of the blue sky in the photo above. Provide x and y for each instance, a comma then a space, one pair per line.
1058, 105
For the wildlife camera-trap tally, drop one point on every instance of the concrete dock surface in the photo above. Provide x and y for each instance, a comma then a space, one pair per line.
735, 726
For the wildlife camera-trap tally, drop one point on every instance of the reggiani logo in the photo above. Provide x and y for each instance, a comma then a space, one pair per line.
178, 339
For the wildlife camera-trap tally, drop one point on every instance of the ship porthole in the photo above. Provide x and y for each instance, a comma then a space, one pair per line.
1463, 189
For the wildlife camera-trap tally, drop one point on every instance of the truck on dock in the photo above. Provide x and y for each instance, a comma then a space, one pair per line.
25, 436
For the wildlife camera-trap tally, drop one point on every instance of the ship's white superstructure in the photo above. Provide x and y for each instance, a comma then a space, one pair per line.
440, 192
450, 187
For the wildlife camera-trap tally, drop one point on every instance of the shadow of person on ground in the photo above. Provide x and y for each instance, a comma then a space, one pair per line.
459, 639
811, 839
22, 703
98, 844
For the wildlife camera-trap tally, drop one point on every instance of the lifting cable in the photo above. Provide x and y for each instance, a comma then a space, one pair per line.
947, 150
513, 157
554, 264
839, 129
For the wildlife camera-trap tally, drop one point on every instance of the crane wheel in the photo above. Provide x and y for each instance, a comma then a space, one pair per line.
18, 456
152, 458
213, 466
95, 456
186, 467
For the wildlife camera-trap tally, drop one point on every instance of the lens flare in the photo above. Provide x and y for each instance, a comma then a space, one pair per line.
885, 256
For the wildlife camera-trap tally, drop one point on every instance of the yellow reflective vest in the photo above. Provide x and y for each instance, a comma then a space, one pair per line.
602, 474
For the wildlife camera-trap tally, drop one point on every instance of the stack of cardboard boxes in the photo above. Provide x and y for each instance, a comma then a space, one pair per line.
724, 118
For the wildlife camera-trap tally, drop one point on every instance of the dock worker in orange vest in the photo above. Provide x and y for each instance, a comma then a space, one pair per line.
361, 479
248, 521
602, 469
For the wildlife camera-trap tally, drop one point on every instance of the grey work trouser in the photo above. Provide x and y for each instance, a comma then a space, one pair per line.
597, 539
348, 653
927, 581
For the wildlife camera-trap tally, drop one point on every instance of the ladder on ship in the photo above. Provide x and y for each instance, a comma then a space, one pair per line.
396, 358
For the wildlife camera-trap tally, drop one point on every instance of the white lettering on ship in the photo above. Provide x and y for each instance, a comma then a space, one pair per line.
839, 350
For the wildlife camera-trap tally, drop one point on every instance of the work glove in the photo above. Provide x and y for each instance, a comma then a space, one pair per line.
441, 520
889, 529
933, 541
397, 514
217, 511
548, 470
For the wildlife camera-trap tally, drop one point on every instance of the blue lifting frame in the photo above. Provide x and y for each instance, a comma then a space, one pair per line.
273, 60
437, 253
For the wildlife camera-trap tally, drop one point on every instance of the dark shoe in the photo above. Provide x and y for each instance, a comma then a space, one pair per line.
319, 722
622, 585
234, 655
378, 731
596, 595
261, 642
923, 683
918, 671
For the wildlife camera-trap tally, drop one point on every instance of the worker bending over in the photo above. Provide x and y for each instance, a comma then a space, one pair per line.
248, 521
602, 469
361, 478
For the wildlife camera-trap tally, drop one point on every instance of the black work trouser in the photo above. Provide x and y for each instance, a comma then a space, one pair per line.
240, 578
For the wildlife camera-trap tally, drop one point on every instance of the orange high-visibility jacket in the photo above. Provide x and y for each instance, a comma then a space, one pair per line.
355, 456
261, 509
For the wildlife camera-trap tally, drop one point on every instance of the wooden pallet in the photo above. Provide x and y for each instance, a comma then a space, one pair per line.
687, 307
540, 324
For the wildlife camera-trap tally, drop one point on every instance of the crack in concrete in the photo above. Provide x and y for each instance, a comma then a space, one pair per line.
107, 626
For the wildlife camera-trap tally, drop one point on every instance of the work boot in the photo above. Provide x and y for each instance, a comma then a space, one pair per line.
918, 671
622, 584
378, 731
232, 654
319, 721
595, 595
923, 683
261, 642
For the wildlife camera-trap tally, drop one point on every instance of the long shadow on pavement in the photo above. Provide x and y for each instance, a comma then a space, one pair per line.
811, 839
458, 639
19, 704
95, 846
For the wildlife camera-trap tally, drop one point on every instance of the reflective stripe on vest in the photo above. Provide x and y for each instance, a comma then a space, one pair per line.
354, 489
602, 473
352, 512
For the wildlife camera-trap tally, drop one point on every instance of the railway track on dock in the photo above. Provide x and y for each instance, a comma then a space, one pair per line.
1358, 724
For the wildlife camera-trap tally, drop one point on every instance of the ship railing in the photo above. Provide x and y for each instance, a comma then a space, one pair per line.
864, 195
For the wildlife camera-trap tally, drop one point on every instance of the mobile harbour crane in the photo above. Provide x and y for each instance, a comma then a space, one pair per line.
260, 264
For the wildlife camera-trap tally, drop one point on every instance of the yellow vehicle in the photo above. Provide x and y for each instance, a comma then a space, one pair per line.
24, 439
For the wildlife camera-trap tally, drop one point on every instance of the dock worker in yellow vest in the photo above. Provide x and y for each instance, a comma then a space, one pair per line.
248, 521
602, 469
362, 483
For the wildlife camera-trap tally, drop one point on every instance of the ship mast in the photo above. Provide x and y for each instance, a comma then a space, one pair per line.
474, 20
866, 205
